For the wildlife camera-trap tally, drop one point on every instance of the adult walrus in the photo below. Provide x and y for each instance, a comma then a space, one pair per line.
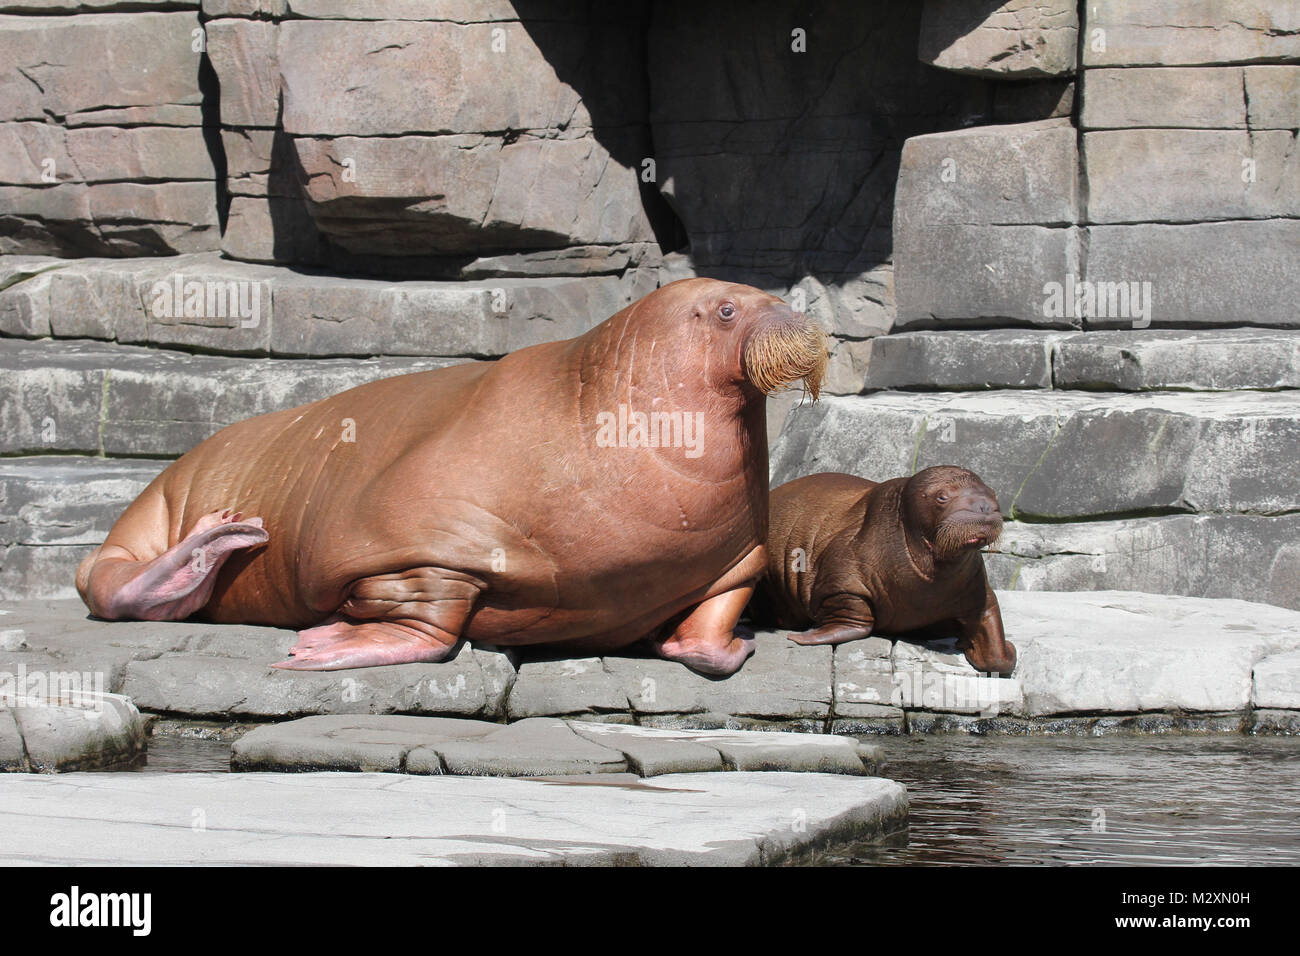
851, 556
551, 497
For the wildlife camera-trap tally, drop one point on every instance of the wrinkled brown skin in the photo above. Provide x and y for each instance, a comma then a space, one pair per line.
874, 563
474, 502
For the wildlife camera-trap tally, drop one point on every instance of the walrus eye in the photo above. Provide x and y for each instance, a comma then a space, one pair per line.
727, 310
941, 498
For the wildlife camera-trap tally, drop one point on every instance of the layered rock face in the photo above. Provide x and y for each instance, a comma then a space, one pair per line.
399, 137
1097, 312
1058, 251
1181, 147
106, 141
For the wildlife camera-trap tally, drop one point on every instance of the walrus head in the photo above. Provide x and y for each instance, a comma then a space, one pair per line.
953, 510
772, 345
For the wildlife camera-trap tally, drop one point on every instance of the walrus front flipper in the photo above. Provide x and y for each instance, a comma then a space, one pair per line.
172, 586
343, 644
418, 618
986, 647
843, 615
832, 634
706, 640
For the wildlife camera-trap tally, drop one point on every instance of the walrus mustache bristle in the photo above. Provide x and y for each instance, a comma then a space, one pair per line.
950, 538
779, 355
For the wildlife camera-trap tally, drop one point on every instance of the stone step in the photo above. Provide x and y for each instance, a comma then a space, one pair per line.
205, 302
535, 747
54, 509
98, 398
1062, 455
1119, 360
1250, 557
1089, 662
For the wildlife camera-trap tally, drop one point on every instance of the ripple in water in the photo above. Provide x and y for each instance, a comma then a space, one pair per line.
1137, 801
185, 755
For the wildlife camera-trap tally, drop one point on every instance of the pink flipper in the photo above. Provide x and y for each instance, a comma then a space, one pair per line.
708, 640
179, 581
343, 644
715, 660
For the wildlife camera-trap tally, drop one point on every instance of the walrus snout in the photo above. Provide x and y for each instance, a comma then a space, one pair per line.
976, 506
971, 520
784, 347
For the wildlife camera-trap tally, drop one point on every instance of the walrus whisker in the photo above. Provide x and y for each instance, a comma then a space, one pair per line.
951, 538
782, 354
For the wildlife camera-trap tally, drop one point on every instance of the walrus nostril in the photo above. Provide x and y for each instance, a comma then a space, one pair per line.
976, 504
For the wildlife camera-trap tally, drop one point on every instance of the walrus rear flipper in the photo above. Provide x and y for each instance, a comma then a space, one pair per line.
117, 585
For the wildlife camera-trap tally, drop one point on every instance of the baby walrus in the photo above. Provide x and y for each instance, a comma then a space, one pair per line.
849, 557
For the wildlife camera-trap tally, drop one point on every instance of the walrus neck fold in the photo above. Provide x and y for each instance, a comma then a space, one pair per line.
918, 550
653, 386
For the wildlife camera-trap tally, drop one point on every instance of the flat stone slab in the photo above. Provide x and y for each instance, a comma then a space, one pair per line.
969, 359
1211, 359
1089, 652
738, 819
534, 747
1277, 682
781, 681
1143, 652
204, 301
472, 683
64, 727
103, 399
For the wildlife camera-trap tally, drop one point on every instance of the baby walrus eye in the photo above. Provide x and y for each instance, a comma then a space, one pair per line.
727, 310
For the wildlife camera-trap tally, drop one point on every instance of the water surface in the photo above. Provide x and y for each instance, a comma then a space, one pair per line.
1133, 800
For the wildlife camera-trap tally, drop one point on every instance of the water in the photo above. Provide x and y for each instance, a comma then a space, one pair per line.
1138, 801
1145, 801
184, 755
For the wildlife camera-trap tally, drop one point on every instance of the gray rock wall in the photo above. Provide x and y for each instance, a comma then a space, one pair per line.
208, 210
1178, 170
1096, 312
106, 141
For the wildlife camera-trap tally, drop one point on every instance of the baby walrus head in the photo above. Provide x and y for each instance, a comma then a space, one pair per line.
952, 511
